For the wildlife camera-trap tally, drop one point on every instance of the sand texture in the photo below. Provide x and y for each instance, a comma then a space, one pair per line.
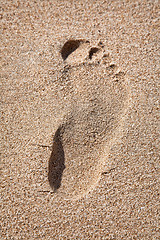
80, 119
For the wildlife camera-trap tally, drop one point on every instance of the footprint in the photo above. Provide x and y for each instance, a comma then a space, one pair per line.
99, 99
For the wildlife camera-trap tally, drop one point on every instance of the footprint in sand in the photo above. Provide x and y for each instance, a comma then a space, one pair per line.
99, 98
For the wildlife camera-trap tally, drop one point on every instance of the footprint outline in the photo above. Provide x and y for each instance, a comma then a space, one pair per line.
114, 73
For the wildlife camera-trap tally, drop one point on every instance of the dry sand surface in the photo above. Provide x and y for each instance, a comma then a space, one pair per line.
79, 103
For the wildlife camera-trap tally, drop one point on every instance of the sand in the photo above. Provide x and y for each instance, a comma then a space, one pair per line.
80, 120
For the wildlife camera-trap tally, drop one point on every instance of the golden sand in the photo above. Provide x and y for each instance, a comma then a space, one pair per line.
79, 103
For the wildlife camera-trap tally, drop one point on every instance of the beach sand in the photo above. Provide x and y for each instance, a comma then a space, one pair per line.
79, 117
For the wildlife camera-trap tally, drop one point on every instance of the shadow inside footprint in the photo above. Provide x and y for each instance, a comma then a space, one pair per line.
93, 51
69, 47
56, 164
